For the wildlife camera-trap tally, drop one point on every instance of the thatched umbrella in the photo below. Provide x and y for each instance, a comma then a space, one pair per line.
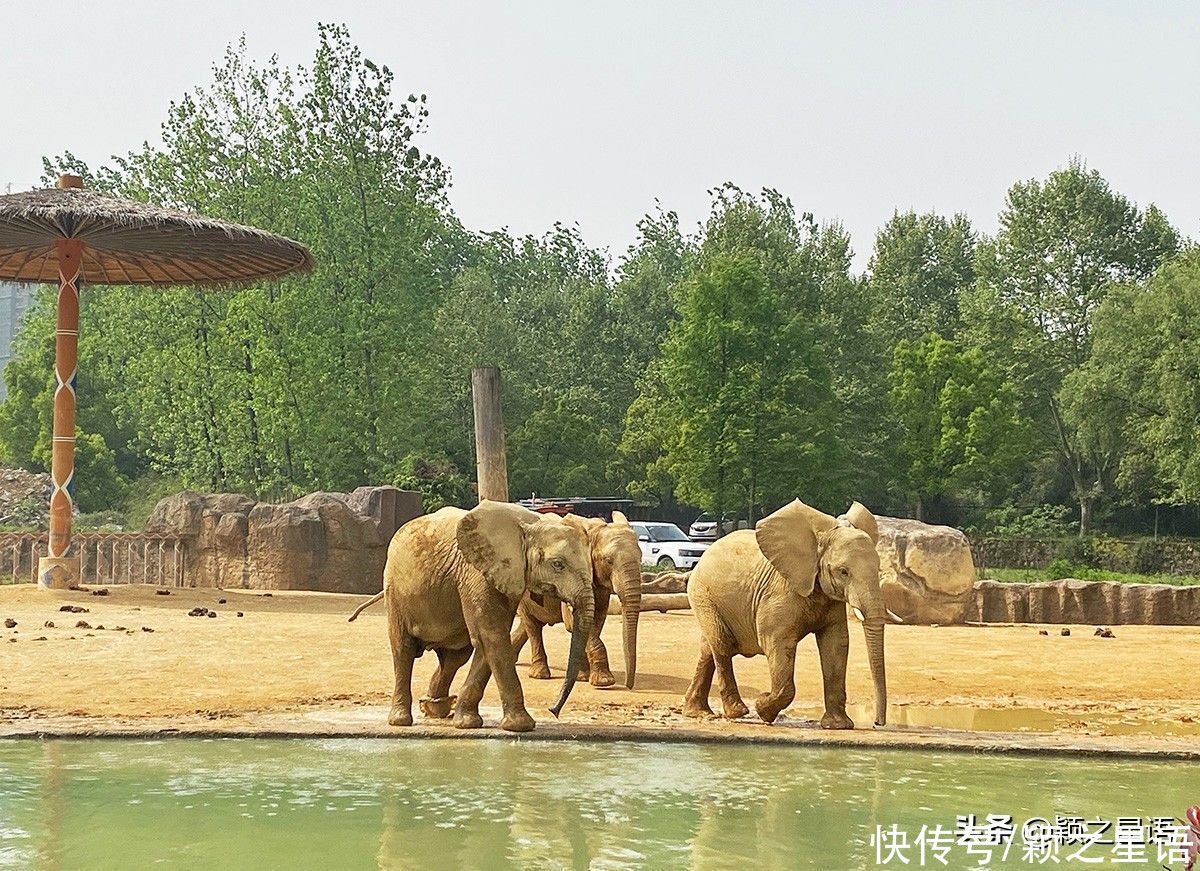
73, 236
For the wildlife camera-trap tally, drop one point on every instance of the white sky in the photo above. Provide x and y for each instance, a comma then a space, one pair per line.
587, 111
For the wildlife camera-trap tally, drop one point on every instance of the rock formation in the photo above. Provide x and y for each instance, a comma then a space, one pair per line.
330, 542
926, 572
1087, 602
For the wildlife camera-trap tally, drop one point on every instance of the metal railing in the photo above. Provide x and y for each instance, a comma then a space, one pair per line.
105, 557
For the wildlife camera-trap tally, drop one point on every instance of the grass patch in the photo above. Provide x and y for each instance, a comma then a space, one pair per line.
1083, 573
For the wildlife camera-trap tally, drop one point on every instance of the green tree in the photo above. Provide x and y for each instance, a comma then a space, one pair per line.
1137, 391
26, 417
920, 267
741, 409
858, 359
749, 392
561, 448
1063, 244
315, 381
540, 308
959, 425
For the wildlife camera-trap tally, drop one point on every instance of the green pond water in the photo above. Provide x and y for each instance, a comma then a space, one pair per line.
238, 803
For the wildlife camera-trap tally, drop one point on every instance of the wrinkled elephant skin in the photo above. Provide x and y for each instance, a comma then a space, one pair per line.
761, 591
616, 567
452, 583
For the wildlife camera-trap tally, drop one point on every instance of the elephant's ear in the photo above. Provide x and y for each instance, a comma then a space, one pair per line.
491, 537
619, 519
788, 539
861, 518
586, 526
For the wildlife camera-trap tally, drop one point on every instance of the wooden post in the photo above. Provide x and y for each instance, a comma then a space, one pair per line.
491, 465
60, 569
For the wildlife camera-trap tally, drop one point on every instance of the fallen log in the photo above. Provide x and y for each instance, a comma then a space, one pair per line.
661, 602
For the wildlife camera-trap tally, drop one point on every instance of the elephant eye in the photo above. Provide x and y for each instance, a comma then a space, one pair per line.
843, 571
558, 564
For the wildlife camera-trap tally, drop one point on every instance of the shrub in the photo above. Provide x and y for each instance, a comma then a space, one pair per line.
1061, 568
437, 479
144, 494
102, 521
99, 486
1040, 521
1112, 554
1147, 557
1077, 551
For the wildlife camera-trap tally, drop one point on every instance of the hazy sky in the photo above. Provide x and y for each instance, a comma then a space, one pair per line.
588, 111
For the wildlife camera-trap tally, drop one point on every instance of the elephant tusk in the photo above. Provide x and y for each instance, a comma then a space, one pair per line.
893, 616
859, 615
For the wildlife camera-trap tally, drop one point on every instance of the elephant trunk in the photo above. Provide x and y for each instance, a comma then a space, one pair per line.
583, 607
874, 617
873, 633
628, 586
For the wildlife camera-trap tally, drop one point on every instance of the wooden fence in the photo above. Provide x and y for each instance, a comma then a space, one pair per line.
105, 557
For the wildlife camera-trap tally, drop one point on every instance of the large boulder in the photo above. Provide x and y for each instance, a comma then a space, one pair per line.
330, 542
926, 572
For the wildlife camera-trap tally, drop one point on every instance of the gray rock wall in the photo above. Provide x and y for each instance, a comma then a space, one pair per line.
329, 542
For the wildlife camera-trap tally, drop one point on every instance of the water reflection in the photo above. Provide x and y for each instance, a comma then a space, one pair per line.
53, 803
967, 718
479, 804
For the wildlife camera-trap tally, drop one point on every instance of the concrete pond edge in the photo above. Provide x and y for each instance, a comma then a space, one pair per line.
930, 740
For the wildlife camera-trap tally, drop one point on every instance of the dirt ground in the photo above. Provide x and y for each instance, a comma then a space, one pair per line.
293, 659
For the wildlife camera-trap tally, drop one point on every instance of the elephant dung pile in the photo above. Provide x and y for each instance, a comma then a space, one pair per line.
926, 572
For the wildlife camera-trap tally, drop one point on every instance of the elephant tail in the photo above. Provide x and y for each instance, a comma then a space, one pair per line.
365, 605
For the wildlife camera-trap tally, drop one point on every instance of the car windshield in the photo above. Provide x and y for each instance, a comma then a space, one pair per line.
704, 518
666, 532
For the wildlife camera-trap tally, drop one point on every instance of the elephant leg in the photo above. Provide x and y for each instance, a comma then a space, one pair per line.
466, 712
500, 659
404, 651
781, 660
520, 636
440, 703
731, 698
695, 700
539, 664
833, 645
600, 675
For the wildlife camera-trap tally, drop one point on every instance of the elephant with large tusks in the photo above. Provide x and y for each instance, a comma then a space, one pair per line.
762, 590
616, 566
452, 583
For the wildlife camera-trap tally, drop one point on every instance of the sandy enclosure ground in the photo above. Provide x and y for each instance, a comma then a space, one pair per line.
293, 665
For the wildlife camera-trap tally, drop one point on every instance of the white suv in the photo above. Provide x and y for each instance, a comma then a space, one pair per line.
665, 545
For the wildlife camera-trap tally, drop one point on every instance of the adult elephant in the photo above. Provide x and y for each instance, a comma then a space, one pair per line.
762, 590
452, 583
616, 567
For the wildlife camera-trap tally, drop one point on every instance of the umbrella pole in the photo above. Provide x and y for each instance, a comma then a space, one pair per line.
60, 569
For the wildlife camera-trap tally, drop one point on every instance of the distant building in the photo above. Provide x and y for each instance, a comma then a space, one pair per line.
14, 300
